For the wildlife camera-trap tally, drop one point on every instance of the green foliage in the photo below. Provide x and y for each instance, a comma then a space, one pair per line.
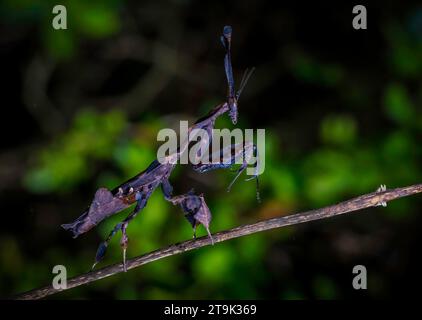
95, 19
324, 288
398, 104
308, 69
85, 20
338, 129
405, 53
353, 153
214, 266
67, 161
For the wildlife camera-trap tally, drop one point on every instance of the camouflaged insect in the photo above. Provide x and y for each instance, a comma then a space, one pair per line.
138, 189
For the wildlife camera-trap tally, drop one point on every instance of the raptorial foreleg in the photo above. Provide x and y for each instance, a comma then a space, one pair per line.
240, 153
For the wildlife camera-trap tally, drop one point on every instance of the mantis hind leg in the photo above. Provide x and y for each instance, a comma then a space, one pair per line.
239, 172
141, 201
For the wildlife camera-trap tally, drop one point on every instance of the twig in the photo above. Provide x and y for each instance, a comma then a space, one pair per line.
377, 198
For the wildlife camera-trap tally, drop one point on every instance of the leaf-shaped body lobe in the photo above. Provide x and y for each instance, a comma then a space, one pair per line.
203, 215
191, 204
103, 205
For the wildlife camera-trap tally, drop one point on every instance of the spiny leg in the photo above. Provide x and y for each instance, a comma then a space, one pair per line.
239, 151
258, 196
210, 235
202, 147
190, 204
209, 167
102, 248
123, 243
194, 223
194, 231
257, 169
239, 172
141, 201
167, 189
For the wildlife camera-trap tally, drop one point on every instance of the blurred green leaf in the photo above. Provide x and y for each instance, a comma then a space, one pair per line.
308, 69
214, 266
338, 129
65, 163
405, 53
61, 44
328, 175
398, 104
324, 288
96, 19
130, 157
283, 184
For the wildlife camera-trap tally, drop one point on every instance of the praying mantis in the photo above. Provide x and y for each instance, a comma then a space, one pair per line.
138, 189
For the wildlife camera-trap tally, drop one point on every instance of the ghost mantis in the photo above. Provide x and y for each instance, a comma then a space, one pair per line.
138, 189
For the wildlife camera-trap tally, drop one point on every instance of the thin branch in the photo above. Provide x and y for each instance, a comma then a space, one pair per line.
377, 198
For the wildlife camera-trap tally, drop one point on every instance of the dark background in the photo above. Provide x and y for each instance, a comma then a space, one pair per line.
342, 111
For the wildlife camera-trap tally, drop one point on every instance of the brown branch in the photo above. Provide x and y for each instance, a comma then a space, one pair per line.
377, 198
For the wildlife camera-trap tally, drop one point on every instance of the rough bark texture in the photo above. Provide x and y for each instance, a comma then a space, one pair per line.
365, 201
